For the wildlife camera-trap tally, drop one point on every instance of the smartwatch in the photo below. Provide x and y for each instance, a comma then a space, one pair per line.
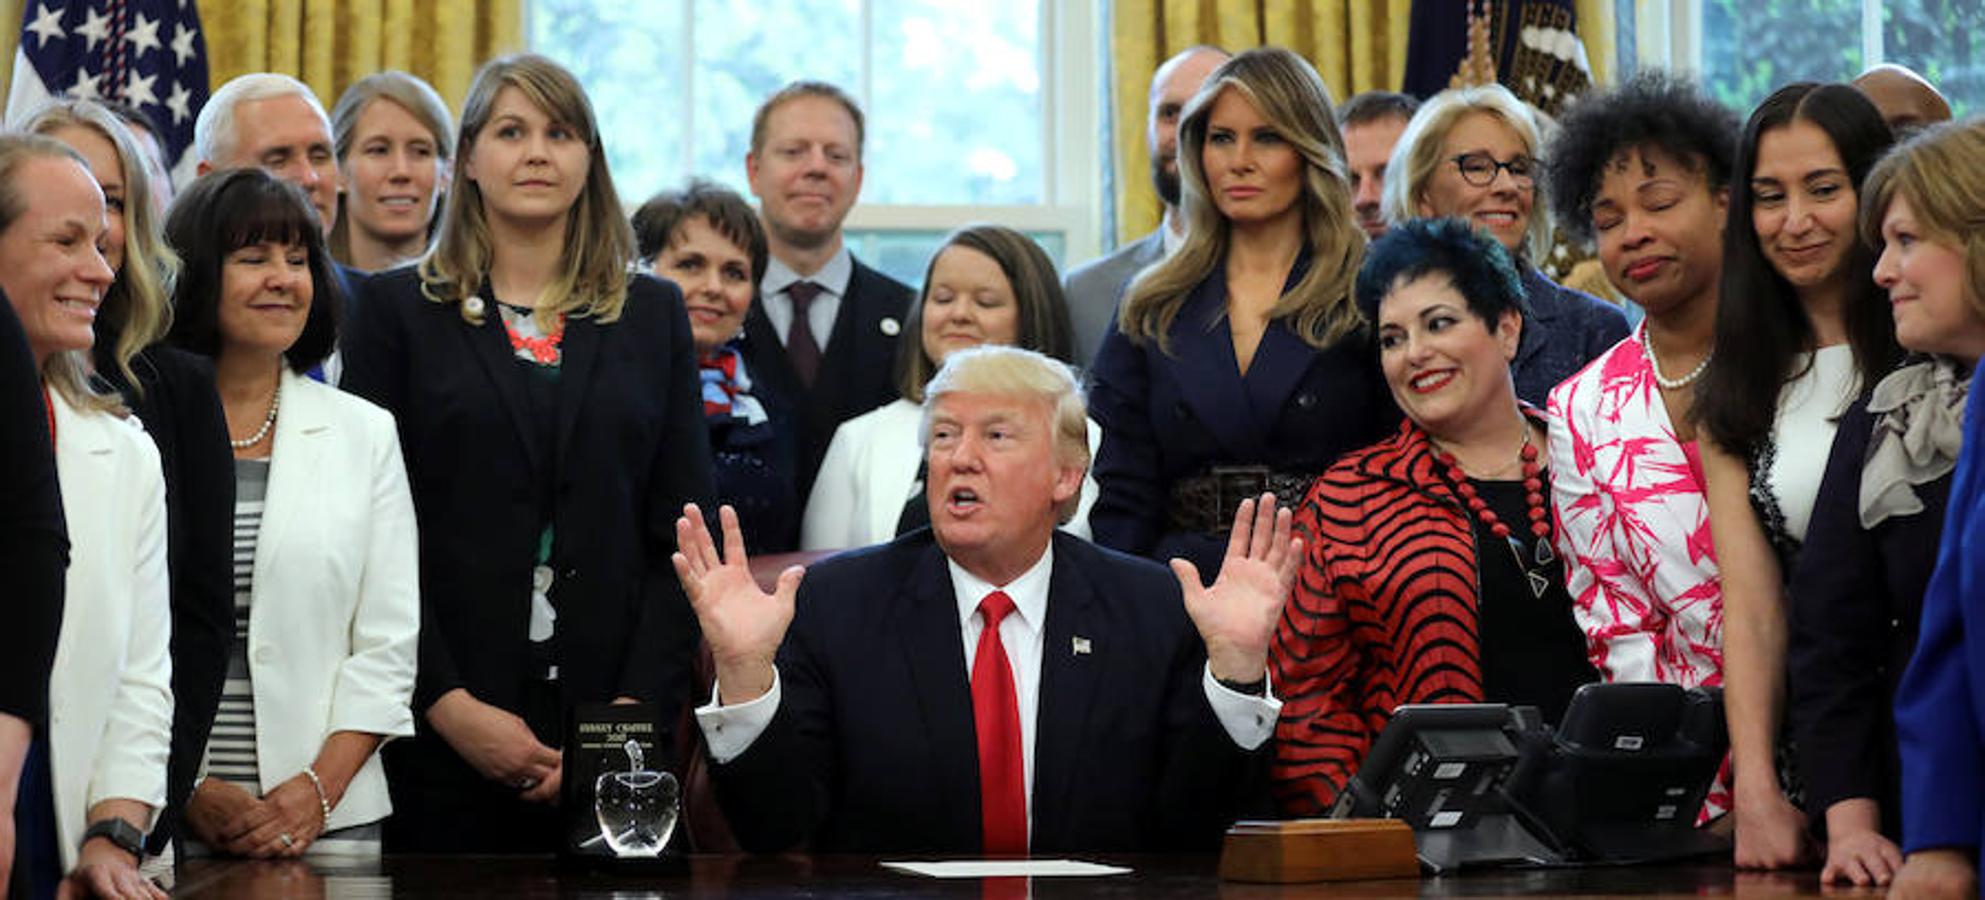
125, 835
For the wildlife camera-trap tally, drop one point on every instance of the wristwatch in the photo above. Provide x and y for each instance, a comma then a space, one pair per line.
125, 835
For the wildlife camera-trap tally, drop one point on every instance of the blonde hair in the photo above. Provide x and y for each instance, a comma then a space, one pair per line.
401, 89
68, 372
599, 245
138, 306
1008, 371
1286, 91
1937, 171
1417, 155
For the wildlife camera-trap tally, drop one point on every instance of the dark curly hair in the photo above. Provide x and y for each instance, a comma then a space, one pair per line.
1476, 262
1761, 325
1653, 109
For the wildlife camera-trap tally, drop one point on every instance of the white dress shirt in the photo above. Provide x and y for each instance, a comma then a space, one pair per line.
1249, 720
833, 279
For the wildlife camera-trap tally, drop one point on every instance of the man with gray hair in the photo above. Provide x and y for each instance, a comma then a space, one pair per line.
275, 122
1095, 288
991, 684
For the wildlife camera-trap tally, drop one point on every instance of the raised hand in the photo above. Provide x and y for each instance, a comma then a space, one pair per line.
1236, 616
742, 624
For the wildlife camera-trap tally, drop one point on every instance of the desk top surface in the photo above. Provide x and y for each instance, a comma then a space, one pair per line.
851, 876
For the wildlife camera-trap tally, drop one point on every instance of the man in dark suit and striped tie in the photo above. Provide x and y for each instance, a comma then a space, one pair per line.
991, 685
824, 329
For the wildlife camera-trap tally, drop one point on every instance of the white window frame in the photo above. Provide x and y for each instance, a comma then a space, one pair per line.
1072, 183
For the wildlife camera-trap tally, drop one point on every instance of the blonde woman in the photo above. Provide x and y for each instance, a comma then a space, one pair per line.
1240, 364
172, 392
393, 138
1472, 154
551, 419
88, 792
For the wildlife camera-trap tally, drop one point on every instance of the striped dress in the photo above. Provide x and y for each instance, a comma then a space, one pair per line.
1384, 613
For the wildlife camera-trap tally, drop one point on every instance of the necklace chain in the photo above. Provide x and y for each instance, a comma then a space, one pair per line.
1672, 384
268, 421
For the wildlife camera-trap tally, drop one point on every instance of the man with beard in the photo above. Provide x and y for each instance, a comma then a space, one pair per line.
824, 329
1095, 288
1371, 123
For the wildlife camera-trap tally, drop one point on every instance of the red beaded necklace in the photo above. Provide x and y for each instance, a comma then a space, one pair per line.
1533, 498
542, 349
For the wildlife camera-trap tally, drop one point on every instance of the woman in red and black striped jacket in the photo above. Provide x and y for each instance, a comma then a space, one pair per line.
1429, 575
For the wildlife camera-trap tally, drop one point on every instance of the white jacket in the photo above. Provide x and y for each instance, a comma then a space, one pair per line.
110, 696
335, 615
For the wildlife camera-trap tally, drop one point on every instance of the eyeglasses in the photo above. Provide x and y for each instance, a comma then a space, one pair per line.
1479, 169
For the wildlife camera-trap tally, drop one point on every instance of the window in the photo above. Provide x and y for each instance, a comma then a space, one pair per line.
973, 110
1744, 49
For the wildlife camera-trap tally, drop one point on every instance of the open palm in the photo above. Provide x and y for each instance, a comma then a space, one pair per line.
741, 622
1236, 617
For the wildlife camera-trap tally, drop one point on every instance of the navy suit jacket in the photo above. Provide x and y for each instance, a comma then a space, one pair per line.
1940, 706
1169, 416
857, 371
1563, 329
873, 748
628, 447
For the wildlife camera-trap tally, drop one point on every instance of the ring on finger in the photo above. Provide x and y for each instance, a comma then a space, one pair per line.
286, 839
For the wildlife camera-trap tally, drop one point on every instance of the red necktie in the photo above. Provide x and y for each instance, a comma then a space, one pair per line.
801, 347
996, 716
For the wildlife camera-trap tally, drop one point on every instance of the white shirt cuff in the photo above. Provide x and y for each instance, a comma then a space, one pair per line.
728, 731
1249, 720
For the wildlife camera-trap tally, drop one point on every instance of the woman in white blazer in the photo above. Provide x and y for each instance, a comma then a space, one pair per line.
326, 590
90, 787
987, 284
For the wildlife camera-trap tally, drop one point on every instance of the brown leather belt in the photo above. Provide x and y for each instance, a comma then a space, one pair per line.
1206, 503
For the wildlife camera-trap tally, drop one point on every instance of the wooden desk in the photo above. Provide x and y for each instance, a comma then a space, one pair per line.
847, 876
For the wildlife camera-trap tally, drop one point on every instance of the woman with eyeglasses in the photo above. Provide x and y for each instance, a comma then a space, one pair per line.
1471, 153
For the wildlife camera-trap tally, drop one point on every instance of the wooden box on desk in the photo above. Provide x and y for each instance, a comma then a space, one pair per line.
1305, 850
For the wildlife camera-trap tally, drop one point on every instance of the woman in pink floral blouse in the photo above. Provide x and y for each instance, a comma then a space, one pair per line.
1644, 172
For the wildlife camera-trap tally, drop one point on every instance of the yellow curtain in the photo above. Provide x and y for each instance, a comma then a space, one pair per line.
331, 43
1356, 45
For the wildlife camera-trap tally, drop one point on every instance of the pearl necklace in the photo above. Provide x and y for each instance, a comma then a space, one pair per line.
268, 422
1672, 384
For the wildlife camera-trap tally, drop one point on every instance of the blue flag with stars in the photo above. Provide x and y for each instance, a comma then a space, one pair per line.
146, 54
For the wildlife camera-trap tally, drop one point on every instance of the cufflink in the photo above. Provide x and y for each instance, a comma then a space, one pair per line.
889, 326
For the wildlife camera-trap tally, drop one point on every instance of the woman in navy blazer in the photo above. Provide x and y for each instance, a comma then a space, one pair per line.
1239, 364
549, 412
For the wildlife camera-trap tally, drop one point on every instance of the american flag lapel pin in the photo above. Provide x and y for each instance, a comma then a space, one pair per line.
1080, 646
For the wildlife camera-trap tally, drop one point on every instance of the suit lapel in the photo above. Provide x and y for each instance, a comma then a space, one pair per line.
1203, 346
1280, 363
935, 648
491, 347
1070, 668
295, 465
584, 337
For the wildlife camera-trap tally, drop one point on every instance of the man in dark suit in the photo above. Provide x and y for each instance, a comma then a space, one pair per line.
825, 326
990, 685
1096, 287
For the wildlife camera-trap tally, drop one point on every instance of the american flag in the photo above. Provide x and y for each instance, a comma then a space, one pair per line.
146, 53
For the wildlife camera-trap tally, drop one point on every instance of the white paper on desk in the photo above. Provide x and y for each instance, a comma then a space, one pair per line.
1006, 868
